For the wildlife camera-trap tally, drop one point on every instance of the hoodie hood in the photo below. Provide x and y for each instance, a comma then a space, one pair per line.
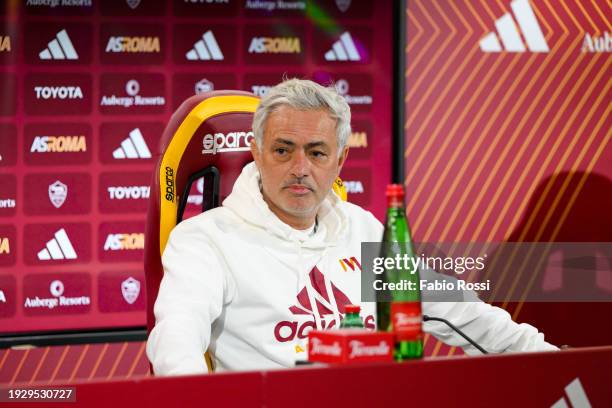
246, 201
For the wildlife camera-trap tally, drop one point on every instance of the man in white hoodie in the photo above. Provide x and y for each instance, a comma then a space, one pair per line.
247, 280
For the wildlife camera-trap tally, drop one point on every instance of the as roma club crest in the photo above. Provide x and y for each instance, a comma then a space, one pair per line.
133, 3
130, 288
58, 192
343, 5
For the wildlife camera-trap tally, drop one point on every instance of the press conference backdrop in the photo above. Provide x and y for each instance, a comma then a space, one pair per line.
86, 88
508, 139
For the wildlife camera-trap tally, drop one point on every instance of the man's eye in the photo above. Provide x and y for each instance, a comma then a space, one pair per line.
317, 153
280, 150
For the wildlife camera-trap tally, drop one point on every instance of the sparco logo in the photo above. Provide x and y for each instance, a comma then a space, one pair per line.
275, 45
58, 92
170, 184
120, 242
129, 193
133, 44
312, 309
58, 144
230, 142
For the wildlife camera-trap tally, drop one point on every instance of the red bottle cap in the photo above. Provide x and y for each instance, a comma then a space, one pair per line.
395, 195
395, 190
352, 308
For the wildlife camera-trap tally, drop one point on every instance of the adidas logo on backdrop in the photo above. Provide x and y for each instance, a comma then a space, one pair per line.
133, 147
343, 50
59, 247
205, 49
510, 33
59, 48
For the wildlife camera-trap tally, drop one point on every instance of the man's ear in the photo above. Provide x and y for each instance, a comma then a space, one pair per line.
255, 152
342, 158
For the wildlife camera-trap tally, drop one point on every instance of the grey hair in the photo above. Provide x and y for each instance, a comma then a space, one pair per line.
303, 94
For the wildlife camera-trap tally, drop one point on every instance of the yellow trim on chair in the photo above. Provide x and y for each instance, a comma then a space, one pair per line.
203, 111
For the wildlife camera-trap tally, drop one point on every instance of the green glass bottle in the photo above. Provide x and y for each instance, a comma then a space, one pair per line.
351, 318
402, 315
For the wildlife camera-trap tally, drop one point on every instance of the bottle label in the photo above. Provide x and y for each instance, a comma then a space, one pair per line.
407, 319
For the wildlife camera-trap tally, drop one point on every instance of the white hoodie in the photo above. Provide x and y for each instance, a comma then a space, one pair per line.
247, 287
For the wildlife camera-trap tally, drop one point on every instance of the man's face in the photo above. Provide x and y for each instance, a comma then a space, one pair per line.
298, 162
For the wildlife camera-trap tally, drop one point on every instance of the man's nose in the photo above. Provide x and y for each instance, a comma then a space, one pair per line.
301, 165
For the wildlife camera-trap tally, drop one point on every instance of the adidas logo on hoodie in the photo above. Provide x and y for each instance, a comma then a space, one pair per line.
327, 300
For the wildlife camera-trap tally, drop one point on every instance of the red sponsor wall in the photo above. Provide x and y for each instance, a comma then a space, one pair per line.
508, 136
85, 93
